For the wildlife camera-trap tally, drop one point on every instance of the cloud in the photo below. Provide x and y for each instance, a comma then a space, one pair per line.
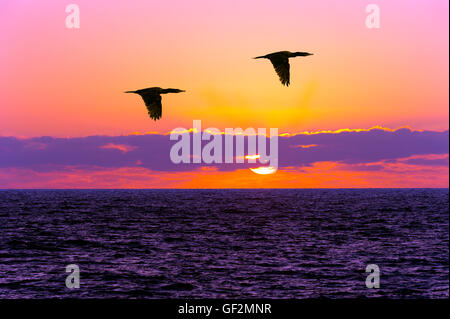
151, 151
121, 147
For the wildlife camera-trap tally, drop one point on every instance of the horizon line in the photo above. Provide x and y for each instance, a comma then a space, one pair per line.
228, 188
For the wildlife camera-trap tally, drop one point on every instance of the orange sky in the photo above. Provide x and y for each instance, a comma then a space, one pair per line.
321, 175
69, 82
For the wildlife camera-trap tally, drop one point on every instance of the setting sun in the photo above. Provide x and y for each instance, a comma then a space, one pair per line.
264, 170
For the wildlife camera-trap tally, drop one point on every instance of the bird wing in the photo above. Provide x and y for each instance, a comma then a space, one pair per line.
281, 65
153, 104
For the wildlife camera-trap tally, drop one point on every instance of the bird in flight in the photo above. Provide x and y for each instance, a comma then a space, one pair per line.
280, 61
152, 99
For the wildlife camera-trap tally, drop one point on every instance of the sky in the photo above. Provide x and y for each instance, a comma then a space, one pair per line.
68, 84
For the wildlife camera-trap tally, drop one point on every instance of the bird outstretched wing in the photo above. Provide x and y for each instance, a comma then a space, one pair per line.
281, 65
153, 103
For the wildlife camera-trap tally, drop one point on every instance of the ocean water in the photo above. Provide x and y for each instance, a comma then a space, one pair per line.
224, 243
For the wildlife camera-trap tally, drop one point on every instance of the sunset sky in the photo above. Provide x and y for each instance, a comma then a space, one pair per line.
68, 84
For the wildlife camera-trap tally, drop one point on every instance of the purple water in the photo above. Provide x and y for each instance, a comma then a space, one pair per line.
224, 243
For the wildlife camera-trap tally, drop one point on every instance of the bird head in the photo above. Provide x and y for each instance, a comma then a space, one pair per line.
164, 91
301, 54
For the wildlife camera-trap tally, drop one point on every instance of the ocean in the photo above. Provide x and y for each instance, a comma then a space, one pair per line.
302, 243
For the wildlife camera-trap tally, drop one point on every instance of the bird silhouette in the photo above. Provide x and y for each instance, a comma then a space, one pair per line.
280, 61
152, 99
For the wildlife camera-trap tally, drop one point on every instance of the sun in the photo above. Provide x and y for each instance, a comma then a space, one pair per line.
264, 170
